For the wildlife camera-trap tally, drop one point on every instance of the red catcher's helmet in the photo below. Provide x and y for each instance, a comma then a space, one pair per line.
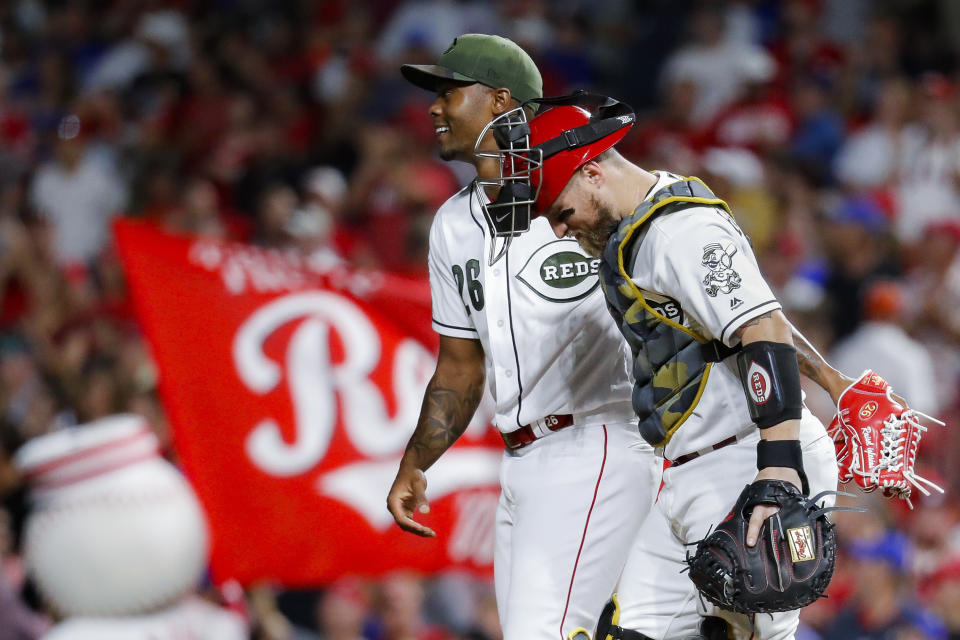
538, 157
558, 130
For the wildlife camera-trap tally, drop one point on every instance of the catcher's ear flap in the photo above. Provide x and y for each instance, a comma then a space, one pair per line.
508, 134
609, 619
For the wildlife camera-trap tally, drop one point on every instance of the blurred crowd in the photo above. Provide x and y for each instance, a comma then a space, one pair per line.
832, 127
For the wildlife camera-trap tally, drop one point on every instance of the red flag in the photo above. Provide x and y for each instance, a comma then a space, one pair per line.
292, 389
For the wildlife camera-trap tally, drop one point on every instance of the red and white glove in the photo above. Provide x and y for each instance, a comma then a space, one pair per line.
876, 439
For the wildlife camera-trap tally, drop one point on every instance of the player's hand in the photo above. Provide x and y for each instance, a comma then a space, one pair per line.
837, 383
764, 511
408, 495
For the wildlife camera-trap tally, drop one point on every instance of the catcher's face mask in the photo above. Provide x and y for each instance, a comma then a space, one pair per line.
510, 213
538, 157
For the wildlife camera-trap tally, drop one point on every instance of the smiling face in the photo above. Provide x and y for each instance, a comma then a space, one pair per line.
459, 114
584, 213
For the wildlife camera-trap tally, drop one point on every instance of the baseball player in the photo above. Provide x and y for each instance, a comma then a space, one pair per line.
576, 477
714, 357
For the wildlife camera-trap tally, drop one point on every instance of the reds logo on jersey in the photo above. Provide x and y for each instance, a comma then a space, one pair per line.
560, 271
759, 379
721, 278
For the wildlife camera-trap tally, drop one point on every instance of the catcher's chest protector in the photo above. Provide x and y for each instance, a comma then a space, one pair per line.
671, 362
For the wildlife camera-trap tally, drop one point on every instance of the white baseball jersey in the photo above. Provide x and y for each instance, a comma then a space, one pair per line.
571, 501
192, 619
551, 346
698, 267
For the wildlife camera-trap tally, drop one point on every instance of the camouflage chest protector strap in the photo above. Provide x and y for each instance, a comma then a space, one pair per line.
671, 362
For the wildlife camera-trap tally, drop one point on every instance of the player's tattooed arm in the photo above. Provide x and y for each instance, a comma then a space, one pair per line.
449, 403
446, 412
814, 367
754, 322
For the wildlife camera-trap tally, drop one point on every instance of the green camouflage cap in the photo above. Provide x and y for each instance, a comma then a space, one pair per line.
477, 57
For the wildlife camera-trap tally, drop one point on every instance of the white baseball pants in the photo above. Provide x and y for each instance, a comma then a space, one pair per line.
658, 600
570, 508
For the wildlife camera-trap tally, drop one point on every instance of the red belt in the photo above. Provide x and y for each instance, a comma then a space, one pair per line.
696, 454
525, 435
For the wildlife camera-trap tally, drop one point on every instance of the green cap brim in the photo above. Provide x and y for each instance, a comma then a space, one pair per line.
429, 76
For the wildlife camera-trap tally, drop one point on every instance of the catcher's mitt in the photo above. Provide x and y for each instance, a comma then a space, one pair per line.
789, 567
876, 439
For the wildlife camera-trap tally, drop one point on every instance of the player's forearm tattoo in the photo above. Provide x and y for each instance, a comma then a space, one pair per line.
754, 322
814, 367
445, 415
810, 362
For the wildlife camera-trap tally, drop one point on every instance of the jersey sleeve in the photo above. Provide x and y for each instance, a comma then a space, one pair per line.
450, 315
708, 265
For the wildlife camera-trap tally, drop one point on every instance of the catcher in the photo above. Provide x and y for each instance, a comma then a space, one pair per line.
717, 387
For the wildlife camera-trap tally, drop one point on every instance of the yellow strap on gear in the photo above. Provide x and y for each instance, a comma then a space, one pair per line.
715, 202
615, 620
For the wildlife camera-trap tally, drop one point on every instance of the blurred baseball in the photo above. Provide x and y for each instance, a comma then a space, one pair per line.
115, 530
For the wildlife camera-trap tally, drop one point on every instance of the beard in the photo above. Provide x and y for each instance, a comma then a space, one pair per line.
447, 154
594, 239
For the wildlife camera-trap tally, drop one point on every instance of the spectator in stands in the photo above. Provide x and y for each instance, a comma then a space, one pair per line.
942, 590
25, 400
77, 196
933, 298
880, 607
278, 202
928, 180
17, 620
760, 118
882, 344
342, 610
401, 610
718, 68
934, 529
868, 158
819, 128
855, 239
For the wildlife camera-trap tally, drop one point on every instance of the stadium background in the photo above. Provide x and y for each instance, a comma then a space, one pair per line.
831, 126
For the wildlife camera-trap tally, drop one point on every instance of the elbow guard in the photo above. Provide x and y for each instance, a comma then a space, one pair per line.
771, 381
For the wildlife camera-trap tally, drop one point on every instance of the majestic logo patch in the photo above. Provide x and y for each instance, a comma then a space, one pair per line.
719, 260
759, 379
801, 544
868, 409
560, 271
735, 302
